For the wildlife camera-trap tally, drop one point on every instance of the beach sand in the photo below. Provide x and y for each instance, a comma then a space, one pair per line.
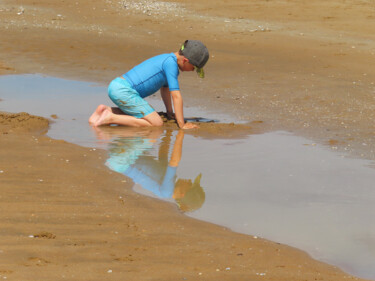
298, 66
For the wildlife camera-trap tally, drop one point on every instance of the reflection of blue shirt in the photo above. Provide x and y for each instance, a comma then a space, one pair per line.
124, 152
125, 157
154, 73
164, 189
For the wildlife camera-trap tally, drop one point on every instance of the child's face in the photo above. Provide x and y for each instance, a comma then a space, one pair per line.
181, 187
186, 65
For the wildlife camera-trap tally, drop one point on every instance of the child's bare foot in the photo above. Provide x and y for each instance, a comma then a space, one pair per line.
95, 116
104, 119
101, 134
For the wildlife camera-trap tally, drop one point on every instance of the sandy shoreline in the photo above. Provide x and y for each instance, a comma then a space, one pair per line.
276, 63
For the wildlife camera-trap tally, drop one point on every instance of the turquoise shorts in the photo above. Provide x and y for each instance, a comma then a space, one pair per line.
128, 99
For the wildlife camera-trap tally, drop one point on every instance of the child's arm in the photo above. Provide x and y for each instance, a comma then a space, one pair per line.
166, 96
179, 111
177, 149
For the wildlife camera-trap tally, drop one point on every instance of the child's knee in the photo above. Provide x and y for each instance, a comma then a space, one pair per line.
154, 119
158, 123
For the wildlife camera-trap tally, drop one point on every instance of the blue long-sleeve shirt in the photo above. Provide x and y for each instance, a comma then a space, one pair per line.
151, 75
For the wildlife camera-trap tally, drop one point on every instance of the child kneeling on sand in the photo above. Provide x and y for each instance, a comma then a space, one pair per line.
160, 72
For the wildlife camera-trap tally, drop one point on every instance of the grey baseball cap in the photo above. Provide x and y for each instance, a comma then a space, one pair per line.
197, 54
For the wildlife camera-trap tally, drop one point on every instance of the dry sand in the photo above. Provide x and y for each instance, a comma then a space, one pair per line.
304, 66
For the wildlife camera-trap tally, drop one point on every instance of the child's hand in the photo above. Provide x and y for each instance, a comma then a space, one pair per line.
190, 126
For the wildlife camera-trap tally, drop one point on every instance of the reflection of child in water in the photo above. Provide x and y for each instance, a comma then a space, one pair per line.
127, 156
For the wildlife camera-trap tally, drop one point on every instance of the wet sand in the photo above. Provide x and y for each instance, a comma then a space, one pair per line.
307, 68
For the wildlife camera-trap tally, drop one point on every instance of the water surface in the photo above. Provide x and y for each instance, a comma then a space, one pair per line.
276, 185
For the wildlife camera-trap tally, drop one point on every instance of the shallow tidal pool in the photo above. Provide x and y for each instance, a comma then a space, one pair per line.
277, 186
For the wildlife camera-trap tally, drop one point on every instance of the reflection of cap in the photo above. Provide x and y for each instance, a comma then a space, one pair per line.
197, 54
194, 195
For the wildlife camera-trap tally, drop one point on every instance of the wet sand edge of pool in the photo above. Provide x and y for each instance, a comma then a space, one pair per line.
64, 210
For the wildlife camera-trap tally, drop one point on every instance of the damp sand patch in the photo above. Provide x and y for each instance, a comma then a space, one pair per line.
22, 122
